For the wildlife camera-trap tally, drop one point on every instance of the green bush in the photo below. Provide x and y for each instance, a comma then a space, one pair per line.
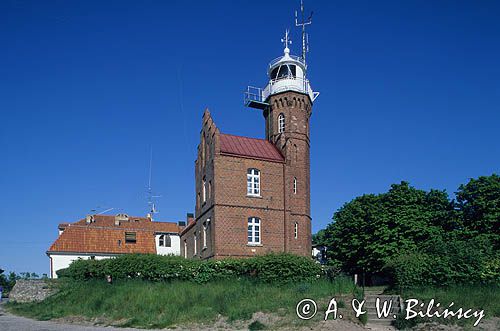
275, 268
410, 269
446, 261
284, 268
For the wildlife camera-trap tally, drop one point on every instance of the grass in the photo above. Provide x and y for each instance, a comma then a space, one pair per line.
156, 304
475, 297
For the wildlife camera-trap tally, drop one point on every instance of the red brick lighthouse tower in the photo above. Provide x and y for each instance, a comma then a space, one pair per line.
286, 103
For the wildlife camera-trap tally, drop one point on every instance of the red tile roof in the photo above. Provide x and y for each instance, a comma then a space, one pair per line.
103, 236
249, 147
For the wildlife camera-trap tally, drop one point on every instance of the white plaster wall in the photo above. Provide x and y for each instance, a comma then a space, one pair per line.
175, 248
63, 261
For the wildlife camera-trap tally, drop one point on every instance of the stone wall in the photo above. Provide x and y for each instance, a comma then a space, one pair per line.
30, 290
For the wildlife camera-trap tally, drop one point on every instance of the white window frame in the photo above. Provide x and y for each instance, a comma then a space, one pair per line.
204, 190
253, 182
185, 249
195, 242
294, 185
296, 230
254, 231
205, 233
281, 123
162, 240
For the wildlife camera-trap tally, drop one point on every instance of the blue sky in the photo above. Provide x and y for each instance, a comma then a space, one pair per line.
410, 90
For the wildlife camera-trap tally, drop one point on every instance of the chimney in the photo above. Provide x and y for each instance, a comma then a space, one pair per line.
120, 218
89, 219
189, 218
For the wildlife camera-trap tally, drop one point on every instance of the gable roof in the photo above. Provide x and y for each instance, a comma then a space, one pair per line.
254, 148
103, 236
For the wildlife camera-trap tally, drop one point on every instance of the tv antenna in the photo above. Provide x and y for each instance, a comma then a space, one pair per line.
94, 211
303, 22
151, 196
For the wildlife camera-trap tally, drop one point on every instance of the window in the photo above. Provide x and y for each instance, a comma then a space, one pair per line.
253, 231
281, 123
185, 249
253, 182
284, 71
204, 190
205, 225
294, 185
130, 238
165, 241
195, 243
296, 230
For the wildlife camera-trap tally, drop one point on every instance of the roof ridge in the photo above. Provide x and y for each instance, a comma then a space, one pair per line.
234, 135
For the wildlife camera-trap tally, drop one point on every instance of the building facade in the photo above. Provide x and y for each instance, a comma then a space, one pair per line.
104, 236
253, 195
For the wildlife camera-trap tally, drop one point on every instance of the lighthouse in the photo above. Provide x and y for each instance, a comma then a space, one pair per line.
286, 103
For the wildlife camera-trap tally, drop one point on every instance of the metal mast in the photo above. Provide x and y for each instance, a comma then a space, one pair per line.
151, 196
303, 22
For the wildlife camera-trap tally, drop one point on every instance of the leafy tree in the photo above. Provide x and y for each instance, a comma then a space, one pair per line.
478, 204
372, 229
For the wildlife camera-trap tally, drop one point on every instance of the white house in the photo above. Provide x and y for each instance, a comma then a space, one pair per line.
104, 236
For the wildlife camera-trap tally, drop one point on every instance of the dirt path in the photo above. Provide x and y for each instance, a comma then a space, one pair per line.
9, 322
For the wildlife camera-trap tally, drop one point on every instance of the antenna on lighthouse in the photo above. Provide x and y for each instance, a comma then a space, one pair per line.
151, 196
303, 22
286, 40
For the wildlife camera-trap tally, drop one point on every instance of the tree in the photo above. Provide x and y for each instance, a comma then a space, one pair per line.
372, 229
478, 204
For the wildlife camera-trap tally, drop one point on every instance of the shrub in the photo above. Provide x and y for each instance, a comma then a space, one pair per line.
446, 261
410, 269
274, 268
284, 268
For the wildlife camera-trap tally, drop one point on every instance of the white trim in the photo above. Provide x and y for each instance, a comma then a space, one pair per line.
253, 182
253, 231
195, 244
281, 123
205, 226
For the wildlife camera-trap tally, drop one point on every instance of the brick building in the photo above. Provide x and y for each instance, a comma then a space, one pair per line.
253, 195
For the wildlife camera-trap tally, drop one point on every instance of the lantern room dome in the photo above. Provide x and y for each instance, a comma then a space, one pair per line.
287, 73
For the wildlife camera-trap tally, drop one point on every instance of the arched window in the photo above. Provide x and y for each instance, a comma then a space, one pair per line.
294, 185
253, 182
195, 244
254, 231
281, 123
204, 190
205, 226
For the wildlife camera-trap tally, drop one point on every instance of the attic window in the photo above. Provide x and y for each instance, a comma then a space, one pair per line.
165, 241
130, 238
